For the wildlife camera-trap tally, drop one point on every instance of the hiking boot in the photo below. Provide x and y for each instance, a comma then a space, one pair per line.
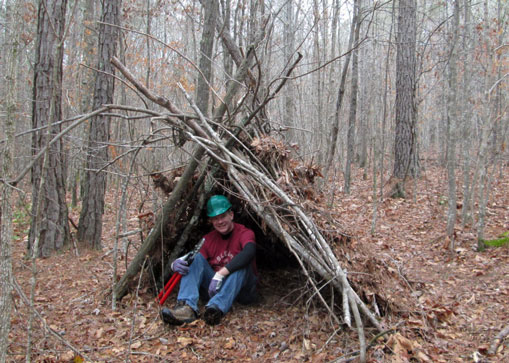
212, 315
180, 314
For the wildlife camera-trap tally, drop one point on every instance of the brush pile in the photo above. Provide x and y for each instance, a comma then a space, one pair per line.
235, 154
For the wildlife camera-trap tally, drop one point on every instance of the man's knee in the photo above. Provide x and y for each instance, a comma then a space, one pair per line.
199, 262
199, 259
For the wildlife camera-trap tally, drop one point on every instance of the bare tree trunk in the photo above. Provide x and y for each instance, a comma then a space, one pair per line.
352, 116
227, 60
331, 152
148, 41
85, 90
289, 44
466, 118
501, 128
452, 117
483, 199
5, 255
47, 95
317, 59
206, 47
6, 163
48, 180
90, 223
367, 63
491, 119
385, 92
332, 77
405, 139
89, 40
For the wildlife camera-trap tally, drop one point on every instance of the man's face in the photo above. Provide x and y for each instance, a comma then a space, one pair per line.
223, 223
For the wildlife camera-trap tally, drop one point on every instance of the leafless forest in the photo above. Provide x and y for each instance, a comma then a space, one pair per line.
341, 129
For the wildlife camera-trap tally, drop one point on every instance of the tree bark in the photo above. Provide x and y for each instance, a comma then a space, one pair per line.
148, 42
405, 140
89, 39
385, 96
90, 223
332, 79
317, 88
331, 152
5, 261
466, 116
51, 226
227, 59
86, 88
488, 126
452, 119
288, 51
206, 47
352, 115
6, 158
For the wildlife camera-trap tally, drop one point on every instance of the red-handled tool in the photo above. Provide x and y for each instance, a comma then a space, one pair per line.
175, 278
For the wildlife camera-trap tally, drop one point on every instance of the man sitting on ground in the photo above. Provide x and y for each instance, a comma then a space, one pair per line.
225, 267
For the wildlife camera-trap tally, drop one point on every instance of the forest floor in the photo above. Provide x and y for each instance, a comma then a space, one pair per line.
451, 305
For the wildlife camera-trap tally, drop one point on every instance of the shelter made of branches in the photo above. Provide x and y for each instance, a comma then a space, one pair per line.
235, 152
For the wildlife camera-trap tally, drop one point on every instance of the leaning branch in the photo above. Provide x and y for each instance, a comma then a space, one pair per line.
160, 100
52, 141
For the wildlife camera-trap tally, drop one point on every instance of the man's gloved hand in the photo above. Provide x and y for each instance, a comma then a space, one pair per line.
180, 265
215, 284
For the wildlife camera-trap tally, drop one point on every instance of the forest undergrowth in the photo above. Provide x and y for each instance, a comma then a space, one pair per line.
442, 305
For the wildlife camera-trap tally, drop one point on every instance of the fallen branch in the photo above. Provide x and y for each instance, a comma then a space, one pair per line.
498, 340
130, 233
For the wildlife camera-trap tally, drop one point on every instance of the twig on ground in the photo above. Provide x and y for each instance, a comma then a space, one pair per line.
45, 324
151, 355
498, 340
134, 312
352, 355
